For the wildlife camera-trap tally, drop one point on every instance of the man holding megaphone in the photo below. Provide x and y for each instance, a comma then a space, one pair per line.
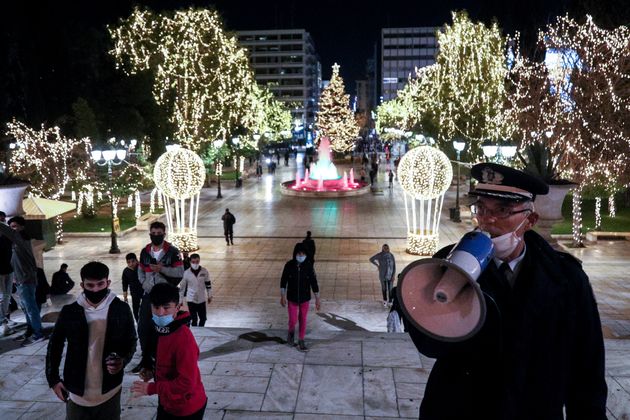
512, 322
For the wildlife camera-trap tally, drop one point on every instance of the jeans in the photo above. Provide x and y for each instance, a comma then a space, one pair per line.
294, 308
6, 286
26, 292
386, 288
109, 410
197, 309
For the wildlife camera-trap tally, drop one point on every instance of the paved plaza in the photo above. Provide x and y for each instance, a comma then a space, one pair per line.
354, 369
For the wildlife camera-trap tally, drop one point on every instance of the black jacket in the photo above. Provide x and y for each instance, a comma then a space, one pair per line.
6, 251
540, 349
71, 326
298, 280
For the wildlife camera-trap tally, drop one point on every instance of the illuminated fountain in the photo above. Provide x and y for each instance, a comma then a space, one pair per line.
323, 180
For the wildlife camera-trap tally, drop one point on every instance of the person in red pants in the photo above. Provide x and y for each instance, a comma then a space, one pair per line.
298, 278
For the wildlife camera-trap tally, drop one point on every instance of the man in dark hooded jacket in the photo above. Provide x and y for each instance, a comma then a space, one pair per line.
540, 350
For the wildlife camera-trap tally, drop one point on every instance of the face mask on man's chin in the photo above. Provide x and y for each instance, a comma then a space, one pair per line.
504, 245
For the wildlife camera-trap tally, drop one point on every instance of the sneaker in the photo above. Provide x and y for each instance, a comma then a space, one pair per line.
302, 346
31, 340
384, 304
291, 339
6, 330
137, 369
228, 244
232, 242
21, 337
12, 323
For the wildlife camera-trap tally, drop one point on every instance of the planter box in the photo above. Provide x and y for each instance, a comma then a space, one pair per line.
11, 197
144, 221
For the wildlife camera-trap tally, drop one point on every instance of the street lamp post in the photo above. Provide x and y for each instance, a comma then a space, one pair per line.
218, 144
496, 152
109, 158
459, 146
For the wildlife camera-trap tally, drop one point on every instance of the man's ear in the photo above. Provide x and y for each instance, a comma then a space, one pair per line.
109, 283
532, 219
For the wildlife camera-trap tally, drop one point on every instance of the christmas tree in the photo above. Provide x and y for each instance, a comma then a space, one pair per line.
334, 118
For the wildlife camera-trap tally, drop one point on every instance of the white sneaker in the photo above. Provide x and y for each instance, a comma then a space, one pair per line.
6, 330
12, 323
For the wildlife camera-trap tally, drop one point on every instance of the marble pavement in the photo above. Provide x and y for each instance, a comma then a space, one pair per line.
354, 370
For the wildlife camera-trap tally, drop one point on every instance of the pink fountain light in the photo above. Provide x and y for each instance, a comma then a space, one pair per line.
322, 176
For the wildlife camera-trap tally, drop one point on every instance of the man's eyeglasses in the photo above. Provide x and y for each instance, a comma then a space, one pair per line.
501, 212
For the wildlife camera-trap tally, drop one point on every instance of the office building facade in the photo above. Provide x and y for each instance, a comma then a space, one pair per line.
286, 62
402, 50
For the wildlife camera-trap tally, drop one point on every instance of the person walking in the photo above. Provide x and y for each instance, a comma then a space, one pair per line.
6, 280
101, 340
539, 353
386, 264
131, 283
298, 279
61, 281
195, 289
309, 243
159, 263
25, 277
228, 226
391, 178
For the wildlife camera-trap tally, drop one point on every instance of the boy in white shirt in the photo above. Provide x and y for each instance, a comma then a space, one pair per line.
194, 287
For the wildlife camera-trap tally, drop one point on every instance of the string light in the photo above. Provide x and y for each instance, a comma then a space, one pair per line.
612, 208
598, 213
201, 74
424, 173
577, 216
49, 161
335, 119
179, 173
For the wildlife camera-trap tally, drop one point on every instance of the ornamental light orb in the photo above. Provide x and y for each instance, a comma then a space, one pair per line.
425, 173
179, 173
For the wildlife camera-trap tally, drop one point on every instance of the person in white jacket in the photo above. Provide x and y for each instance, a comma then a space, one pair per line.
195, 288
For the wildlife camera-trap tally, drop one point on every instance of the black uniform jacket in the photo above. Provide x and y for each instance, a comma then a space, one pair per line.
540, 349
72, 326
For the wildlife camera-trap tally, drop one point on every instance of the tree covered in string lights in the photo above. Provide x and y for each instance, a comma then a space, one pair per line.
269, 115
462, 95
465, 91
335, 119
201, 75
597, 139
49, 160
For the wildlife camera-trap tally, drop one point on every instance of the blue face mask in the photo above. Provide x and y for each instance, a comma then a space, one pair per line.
300, 258
163, 321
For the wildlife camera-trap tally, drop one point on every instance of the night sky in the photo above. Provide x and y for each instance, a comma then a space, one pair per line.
344, 31
52, 52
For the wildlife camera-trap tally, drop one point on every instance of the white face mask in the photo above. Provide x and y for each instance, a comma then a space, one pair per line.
505, 244
194, 266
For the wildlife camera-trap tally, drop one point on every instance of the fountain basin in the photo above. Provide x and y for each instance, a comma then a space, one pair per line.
333, 188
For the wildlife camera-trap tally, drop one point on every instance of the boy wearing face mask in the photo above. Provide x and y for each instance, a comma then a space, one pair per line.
159, 263
193, 289
177, 378
298, 278
101, 339
540, 350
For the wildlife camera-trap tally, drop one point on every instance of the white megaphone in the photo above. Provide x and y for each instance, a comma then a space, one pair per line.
441, 297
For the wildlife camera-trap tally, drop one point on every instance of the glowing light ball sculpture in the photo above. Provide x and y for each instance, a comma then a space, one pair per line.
424, 173
179, 176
